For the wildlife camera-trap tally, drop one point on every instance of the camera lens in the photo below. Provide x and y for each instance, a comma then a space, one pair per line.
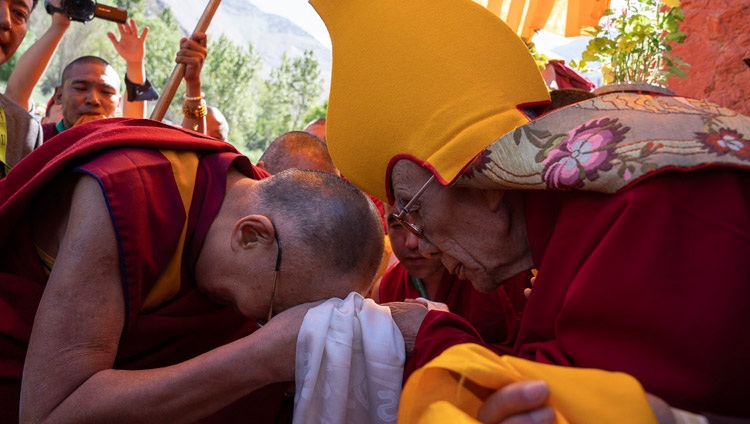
80, 10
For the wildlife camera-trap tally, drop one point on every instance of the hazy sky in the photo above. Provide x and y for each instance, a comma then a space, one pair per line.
304, 15
301, 13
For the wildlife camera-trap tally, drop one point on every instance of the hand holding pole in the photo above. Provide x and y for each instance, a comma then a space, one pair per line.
170, 88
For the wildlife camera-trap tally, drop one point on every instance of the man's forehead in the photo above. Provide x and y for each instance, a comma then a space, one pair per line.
407, 179
406, 174
93, 72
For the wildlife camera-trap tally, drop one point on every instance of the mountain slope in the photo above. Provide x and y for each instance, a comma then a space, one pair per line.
243, 23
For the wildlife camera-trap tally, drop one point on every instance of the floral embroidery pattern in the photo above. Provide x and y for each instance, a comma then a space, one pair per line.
479, 164
726, 141
583, 153
624, 138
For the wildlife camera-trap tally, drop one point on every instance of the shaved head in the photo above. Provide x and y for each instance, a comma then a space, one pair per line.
216, 124
297, 149
333, 226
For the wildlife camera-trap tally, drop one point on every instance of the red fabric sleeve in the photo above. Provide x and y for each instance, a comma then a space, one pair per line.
439, 331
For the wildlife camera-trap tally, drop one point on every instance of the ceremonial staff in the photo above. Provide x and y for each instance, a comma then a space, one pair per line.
170, 88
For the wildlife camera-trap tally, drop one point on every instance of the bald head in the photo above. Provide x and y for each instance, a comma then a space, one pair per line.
85, 60
317, 127
216, 124
328, 225
297, 149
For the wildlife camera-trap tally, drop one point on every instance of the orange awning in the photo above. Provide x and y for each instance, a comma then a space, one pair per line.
562, 17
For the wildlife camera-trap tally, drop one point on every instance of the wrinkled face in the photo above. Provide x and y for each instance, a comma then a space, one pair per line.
480, 235
406, 250
90, 89
14, 20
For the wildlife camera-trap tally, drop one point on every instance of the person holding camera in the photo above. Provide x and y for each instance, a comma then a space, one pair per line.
34, 62
20, 131
90, 87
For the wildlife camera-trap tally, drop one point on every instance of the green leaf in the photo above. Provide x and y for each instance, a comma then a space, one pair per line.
676, 37
588, 57
678, 13
679, 73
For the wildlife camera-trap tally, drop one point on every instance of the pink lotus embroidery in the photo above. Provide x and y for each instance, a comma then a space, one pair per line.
726, 141
580, 156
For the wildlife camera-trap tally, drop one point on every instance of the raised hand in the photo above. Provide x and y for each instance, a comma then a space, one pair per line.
131, 46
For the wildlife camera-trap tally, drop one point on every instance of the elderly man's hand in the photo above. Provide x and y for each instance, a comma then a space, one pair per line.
518, 403
280, 336
408, 318
525, 402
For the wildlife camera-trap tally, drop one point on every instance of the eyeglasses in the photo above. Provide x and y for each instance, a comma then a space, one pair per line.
400, 217
275, 272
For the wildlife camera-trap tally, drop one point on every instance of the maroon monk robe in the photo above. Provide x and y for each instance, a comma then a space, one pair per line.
652, 281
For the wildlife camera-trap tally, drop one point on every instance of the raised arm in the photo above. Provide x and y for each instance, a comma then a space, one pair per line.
132, 48
68, 375
33, 63
193, 53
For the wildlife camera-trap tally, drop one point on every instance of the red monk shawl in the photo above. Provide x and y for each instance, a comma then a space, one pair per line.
76, 144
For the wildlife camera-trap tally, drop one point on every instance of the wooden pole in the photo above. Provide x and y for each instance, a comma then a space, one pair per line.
174, 81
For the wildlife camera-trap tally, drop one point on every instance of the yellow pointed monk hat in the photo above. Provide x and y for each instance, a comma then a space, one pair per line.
435, 81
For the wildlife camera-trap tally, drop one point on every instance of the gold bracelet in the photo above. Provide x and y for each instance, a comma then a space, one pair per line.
194, 99
195, 112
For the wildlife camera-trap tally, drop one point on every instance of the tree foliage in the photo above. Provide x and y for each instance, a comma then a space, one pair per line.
635, 43
287, 96
230, 81
258, 108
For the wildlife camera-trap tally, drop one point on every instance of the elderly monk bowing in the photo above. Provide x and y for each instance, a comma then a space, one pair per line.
634, 208
136, 258
495, 315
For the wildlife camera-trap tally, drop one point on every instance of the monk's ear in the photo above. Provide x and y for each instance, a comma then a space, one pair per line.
252, 231
493, 198
58, 95
261, 165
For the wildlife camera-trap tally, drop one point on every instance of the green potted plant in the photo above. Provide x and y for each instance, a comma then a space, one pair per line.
633, 45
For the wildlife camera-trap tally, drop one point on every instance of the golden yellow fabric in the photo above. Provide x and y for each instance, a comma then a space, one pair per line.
48, 261
185, 168
88, 118
436, 81
568, 18
452, 387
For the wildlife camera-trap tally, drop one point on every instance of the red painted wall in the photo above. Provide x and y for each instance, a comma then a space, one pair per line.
718, 41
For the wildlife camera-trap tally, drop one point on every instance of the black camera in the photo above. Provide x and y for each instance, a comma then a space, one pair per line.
86, 10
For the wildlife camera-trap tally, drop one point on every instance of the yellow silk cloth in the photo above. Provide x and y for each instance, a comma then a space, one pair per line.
88, 118
452, 388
